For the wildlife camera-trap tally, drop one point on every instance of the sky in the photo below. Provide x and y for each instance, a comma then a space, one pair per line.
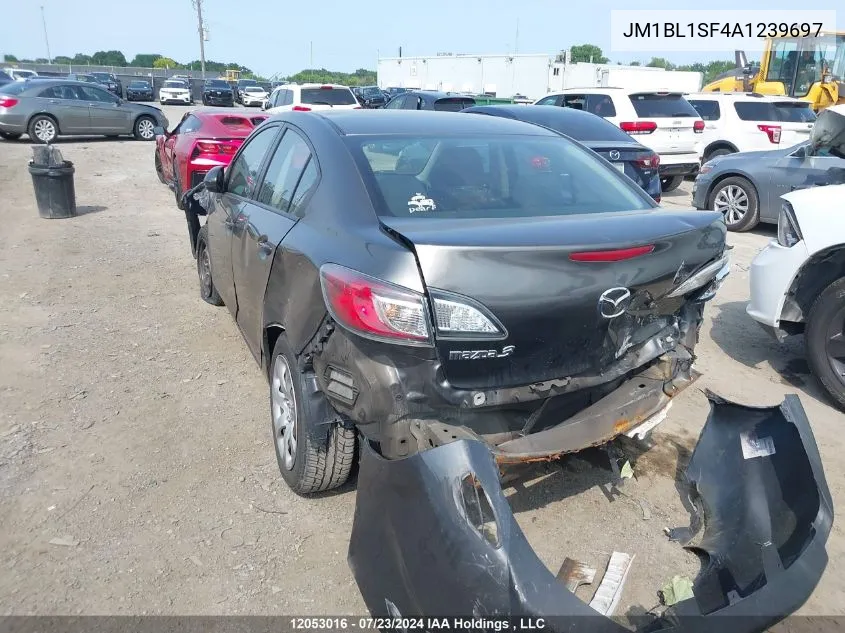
279, 36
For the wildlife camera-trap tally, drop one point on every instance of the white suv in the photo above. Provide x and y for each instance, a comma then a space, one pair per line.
308, 97
663, 121
19, 74
750, 122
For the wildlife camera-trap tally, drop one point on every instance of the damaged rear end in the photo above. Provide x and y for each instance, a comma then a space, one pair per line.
433, 534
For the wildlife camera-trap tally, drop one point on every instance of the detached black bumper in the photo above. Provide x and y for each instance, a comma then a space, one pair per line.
434, 536
215, 100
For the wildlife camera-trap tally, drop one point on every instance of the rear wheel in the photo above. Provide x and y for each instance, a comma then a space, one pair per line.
145, 128
722, 151
177, 187
10, 136
670, 183
825, 340
43, 129
159, 170
307, 465
208, 292
736, 198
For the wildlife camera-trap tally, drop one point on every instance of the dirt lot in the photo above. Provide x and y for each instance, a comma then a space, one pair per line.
137, 473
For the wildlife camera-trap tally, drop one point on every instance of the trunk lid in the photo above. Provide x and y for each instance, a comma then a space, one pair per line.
520, 270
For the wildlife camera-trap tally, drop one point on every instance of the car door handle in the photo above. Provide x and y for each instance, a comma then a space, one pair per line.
265, 246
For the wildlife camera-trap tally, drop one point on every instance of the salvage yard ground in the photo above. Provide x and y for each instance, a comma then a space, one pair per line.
137, 473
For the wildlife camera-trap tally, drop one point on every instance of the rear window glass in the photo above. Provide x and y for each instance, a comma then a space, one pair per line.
657, 105
328, 96
707, 109
14, 88
581, 128
787, 112
490, 177
453, 105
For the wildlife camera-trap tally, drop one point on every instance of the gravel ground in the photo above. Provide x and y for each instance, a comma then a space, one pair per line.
137, 474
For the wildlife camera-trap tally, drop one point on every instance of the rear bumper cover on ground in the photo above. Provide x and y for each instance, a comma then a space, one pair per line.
420, 548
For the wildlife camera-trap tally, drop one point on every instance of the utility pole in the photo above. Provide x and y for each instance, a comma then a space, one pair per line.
46, 40
201, 29
311, 59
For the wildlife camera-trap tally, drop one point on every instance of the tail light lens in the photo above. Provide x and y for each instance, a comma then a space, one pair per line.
772, 131
8, 102
456, 317
638, 127
648, 161
214, 147
698, 127
373, 308
299, 108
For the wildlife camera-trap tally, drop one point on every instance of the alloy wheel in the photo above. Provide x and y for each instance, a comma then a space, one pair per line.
732, 202
45, 130
205, 272
146, 129
835, 344
283, 410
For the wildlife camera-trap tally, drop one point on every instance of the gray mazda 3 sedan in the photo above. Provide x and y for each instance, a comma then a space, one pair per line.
48, 109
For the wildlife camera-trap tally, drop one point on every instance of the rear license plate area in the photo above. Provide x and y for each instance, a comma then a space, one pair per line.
620, 167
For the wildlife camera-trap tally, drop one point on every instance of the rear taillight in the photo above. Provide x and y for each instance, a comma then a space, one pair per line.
326, 87
614, 255
374, 308
698, 127
8, 102
772, 131
638, 127
214, 147
647, 161
299, 108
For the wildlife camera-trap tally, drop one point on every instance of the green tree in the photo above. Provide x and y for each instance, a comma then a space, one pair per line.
660, 62
144, 60
10, 58
62, 59
587, 53
108, 58
42, 60
634, 63
81, 58
165, 62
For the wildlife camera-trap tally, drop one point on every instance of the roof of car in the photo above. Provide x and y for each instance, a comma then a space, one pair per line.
744, 95
353, 122
611, 90
437, 94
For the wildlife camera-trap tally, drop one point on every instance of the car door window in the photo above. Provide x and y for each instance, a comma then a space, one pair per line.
576, 102
89, 93
244, 171
60, 92
286, 166
601, 105
288, 97
707, 109
550, 100
307, 184
412, 102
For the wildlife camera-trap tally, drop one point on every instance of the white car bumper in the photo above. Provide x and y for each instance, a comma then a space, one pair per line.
177, 98
772, 273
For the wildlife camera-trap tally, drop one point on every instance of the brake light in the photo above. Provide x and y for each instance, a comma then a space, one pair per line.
8, 102
299, 108
698, 127
326, 87
772, 131
616, 255
215, 147
648, 161
638, 127
374, 308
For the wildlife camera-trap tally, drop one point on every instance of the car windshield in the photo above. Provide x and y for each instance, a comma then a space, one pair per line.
175, 84
662, 105
490, 177
254, 89
216, 83
139, 84
372, 91
328, 95
101, 76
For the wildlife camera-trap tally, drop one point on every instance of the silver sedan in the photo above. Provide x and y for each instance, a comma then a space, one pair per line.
47, 109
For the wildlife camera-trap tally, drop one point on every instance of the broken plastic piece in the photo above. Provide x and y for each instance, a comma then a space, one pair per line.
573, 573
677, 589
626, 472
610, 590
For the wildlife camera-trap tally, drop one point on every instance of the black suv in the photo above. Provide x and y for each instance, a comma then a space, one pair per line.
217, 92
110, 82
371, 97
138, 90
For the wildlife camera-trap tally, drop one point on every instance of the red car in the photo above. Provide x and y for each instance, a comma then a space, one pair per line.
202, 140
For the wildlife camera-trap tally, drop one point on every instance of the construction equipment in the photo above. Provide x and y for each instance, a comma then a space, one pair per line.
807, 68
233, 75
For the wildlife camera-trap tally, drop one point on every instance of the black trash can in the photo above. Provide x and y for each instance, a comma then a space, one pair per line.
54, 190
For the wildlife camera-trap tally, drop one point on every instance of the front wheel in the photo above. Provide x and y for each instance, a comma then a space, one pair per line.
825, 340
145, 129
307, 465
670, 183
208, 292
736, 199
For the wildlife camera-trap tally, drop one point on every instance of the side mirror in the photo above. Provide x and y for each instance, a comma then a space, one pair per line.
159, 131
214, 181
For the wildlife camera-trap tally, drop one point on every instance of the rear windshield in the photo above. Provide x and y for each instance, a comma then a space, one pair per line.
101, 75
14, 88
581, 128
655, 105
453, 104
328, 96
175, 84
490, 177
787, 111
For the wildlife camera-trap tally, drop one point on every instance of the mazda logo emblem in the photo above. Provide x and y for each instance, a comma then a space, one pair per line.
614, 302
614, 155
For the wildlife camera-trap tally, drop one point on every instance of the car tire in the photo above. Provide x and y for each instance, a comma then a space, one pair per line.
208, 291
722, 151
824, 336
43, 129
10, 136
159, 169
296, 405
144, 129
177, 187
670, 183
744, 195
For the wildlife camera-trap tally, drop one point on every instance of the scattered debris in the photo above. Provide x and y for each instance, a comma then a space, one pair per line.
233, 539
610, 590
626, 472
260, 509
676, 590
196, 561
86, 425
152, 234
241, 479
64, 542
574, 573
79, 395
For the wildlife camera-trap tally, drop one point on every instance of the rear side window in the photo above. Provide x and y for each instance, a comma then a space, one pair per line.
59, 92
786, 112
657, 105
492, 177
707, 109
552, 100
286, 167
14, 88
328, 96
243, 172
190, 124
453, 104
601, 105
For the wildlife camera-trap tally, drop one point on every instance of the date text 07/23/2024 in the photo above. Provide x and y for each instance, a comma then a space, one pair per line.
679, 30
407, 624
